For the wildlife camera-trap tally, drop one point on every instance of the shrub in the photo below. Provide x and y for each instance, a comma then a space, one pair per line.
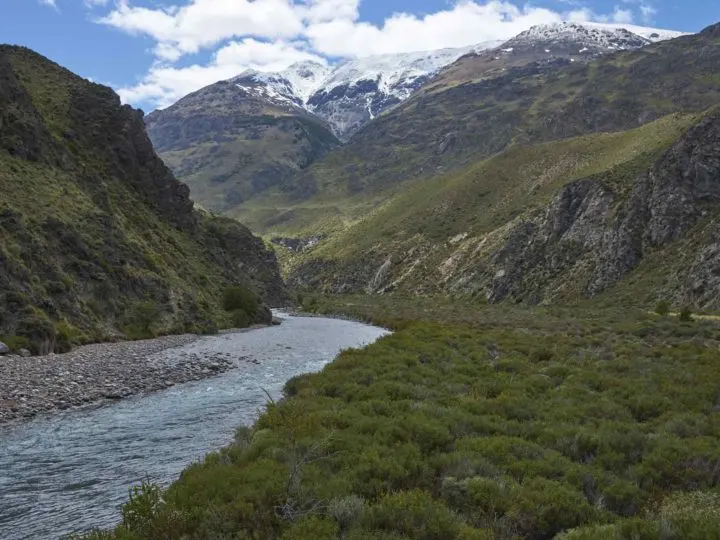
662, 308
15, 343
240, 318
240, 298
415, 514
141, 318
685, 315
346, 511
67, 336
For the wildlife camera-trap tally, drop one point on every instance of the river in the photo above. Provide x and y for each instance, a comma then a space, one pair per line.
69, 472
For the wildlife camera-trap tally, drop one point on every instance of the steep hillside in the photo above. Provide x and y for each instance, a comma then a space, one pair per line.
97, 237
463, 116
546, 223
228, 142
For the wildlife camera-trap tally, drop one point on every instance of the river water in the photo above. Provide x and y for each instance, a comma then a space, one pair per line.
71, 471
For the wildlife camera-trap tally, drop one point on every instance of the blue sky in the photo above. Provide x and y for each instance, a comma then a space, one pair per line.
153, 52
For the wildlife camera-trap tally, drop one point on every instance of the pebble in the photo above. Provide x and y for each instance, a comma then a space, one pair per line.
98, 372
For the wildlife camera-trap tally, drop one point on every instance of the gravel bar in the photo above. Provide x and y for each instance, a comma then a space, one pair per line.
100, 372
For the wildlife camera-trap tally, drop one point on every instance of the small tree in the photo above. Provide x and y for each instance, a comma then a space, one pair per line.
662, 308
235, 298
686, 315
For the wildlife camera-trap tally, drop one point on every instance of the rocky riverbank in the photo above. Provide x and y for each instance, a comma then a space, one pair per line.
103, 371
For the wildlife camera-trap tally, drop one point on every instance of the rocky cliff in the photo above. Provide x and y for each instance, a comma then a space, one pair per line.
642, 223
95, 231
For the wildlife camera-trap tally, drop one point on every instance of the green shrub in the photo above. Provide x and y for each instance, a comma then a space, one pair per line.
691, 516
686, 315
15, 343
662, 308
141, 320
39, 332
67, 336
312, 528
241, 318
240, 298
414, 514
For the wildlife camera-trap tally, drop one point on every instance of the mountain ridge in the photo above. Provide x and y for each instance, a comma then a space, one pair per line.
257, 134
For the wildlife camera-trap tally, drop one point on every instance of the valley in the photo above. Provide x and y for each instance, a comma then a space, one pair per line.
498, 267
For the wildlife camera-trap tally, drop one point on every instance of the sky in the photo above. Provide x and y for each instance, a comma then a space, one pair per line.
154, 52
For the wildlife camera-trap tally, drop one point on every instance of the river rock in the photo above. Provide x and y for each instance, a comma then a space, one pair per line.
102, 371
25, 353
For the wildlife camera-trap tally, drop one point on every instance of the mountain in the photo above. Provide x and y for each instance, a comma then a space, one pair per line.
95, 231
230, 142
243, 144
478, 107
562, 180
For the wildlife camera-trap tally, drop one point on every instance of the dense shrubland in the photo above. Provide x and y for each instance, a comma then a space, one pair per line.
472, 422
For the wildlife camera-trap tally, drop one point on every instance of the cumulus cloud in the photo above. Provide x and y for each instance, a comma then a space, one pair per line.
205, 23
50, 3
271, 34
165, 84
465, 23
622, 16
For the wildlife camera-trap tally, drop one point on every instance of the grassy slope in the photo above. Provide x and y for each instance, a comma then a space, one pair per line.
81, 246
472, 422
477, 203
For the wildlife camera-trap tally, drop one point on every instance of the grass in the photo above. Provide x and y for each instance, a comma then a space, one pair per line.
472, 421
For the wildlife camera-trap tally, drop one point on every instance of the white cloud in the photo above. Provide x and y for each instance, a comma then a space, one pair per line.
51, 3
271, 34
163, 84
205, 23
647, 12
622, 16
466, 23
96, 3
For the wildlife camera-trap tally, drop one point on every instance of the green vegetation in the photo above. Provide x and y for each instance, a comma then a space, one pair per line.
98, 240
473, 422
662, 308
242, 304
240, 298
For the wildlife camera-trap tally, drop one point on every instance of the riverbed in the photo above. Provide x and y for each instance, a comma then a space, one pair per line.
70, 471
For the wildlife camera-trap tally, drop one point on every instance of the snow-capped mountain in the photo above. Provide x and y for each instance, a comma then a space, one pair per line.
591, 38
353, 92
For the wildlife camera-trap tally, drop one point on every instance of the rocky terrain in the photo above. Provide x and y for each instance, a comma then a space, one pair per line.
108, 371
631, 214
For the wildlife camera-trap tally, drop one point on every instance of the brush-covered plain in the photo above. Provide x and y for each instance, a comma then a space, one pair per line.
472, 421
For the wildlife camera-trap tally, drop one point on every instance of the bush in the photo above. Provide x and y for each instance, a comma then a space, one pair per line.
685, 315
415, 514
15, 343
241, 319
141, 319
662, 308
240, 298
